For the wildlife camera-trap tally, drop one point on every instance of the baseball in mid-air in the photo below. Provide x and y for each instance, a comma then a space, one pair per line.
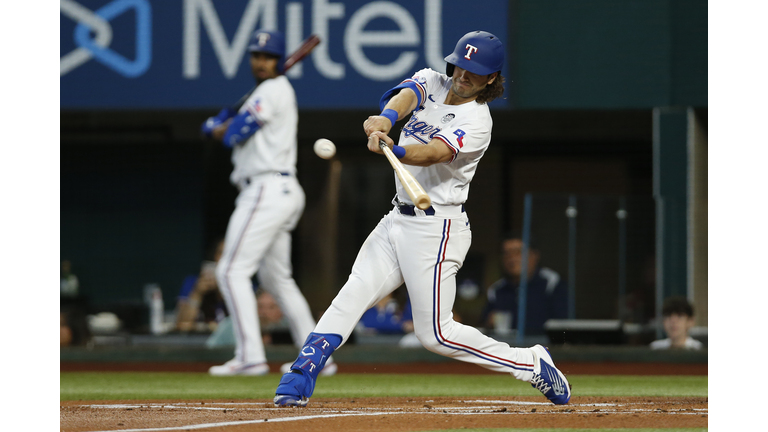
325, 148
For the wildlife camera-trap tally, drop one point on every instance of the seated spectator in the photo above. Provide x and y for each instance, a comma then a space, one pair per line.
70, 285
678, 320
200, 306
65, 331
387, 317
547, 295
274, 325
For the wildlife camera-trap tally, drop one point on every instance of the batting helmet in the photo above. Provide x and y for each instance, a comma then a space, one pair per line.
479, 52
270, 42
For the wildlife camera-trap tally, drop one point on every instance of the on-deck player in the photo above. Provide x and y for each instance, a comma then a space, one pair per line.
443, 141
262, 136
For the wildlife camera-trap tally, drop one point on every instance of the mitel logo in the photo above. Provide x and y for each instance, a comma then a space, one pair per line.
97, 22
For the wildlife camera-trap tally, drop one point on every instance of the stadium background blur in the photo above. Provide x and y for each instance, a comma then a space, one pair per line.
605, 108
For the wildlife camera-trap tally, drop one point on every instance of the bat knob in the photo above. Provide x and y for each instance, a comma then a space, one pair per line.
423, 202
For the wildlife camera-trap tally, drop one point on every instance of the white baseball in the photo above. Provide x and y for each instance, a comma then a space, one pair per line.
325, 148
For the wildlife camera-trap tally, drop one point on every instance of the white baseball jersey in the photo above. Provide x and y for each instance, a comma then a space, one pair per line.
465, 128
273, 147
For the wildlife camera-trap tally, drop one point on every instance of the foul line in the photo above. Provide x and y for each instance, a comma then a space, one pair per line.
244, 422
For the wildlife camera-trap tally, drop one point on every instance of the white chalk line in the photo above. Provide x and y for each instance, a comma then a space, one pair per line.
363, 411
245, 422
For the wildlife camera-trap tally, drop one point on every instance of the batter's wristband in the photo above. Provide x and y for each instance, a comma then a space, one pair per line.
398, 151
391, 114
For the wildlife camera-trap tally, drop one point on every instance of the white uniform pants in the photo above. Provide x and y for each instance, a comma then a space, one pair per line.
258, 239
425, 252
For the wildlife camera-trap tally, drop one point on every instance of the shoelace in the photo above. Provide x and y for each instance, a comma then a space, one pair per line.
539, 383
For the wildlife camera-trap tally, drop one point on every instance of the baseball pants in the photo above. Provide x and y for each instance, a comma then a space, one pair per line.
425, 253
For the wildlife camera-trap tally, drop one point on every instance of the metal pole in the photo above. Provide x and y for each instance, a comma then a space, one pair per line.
659, 265
571, 212
621, 214
523, 292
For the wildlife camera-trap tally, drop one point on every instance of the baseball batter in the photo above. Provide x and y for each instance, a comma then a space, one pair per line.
262, 136
448, 132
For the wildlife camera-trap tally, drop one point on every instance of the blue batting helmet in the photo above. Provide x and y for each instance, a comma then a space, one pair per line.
270, 42
479, 52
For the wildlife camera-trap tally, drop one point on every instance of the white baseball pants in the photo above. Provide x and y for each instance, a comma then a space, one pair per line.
424, 252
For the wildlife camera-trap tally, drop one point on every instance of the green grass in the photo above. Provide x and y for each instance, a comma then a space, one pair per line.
157, 385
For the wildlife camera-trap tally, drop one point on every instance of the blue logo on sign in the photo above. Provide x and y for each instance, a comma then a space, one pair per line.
98, 47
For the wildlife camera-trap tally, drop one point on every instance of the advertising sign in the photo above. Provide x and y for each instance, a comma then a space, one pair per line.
177, 54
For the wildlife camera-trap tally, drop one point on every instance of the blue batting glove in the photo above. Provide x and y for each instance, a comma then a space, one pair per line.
212, 123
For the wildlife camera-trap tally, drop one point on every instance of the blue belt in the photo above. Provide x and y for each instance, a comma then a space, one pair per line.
409, 210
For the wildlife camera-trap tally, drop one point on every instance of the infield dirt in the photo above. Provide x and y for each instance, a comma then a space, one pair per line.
385, 414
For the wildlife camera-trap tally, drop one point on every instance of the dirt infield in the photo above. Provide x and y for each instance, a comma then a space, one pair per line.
385, 414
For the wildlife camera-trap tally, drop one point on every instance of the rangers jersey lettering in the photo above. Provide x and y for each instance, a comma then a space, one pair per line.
465, 129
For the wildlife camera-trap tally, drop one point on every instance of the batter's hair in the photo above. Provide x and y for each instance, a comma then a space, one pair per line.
492, 91
677, 305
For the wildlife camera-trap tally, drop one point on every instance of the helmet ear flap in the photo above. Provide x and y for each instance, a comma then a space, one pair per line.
449, 67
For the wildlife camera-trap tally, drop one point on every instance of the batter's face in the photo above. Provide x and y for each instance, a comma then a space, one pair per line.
263, 66
467, 85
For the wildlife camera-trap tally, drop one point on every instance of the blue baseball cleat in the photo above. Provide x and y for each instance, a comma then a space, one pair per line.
292, 390
548, 379
297, 386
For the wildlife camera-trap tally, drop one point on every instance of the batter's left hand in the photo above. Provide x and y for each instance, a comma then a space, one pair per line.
375, 138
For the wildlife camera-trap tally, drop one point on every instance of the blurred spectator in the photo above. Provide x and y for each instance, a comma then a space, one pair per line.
73, 308
678, 320
65, 331
387, 317
547, 295
274, 325
70, 285
200, 306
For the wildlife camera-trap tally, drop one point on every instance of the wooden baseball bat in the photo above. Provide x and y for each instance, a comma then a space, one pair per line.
302, 51
414, 189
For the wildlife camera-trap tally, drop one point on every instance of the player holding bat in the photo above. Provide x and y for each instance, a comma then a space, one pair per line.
262, 135
448, 132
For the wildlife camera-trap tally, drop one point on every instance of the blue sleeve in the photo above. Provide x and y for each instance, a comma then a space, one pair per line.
409, 83
384, 323
243, 126
407, 311
369, 318
187, 286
